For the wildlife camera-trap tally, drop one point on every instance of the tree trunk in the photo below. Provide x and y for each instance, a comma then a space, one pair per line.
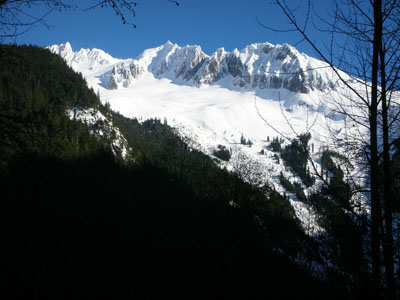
375, 203
387, 172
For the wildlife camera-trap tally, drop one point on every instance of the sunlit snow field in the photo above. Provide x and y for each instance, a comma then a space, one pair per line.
211, 115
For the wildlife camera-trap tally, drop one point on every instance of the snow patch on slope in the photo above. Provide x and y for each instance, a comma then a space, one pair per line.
101, 127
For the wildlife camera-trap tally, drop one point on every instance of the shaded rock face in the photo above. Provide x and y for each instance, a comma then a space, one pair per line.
275, 82
192, 59
284, 52
123, 75
213, 70
238, 70
136, 70
267, 48
162, 69
112, 85
255, 81
218, 67
258, 66
297, 84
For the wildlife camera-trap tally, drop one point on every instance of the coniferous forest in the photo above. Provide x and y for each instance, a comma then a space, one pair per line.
78, 222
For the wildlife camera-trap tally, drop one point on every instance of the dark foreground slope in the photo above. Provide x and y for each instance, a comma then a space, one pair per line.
77, 224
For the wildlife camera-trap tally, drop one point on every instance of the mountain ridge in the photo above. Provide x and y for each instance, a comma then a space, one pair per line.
257, 66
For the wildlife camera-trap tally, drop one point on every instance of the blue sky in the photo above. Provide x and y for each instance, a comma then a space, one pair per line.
208, 23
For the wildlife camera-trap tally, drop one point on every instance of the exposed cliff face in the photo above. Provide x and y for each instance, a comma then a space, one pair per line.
258, 66
123, 74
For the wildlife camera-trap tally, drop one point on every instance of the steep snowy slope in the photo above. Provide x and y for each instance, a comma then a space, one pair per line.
258, 93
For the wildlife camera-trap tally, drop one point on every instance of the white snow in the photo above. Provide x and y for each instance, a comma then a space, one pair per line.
100, 126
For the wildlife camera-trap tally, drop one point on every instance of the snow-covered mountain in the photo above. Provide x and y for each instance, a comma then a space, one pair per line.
261, 92
259, 66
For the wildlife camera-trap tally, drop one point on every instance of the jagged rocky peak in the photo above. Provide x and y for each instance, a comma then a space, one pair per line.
267, 47
285, 51
176, 62
188, 60
94, 54
282, 66
66, 48
63, 50
257, 66
123, 74
84, 59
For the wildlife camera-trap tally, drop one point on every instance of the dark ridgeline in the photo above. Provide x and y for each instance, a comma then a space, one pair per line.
77, 222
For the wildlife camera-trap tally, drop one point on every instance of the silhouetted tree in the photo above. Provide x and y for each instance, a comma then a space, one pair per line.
371, 55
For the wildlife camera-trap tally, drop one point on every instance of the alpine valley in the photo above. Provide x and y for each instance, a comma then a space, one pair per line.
237, 101
231, 175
